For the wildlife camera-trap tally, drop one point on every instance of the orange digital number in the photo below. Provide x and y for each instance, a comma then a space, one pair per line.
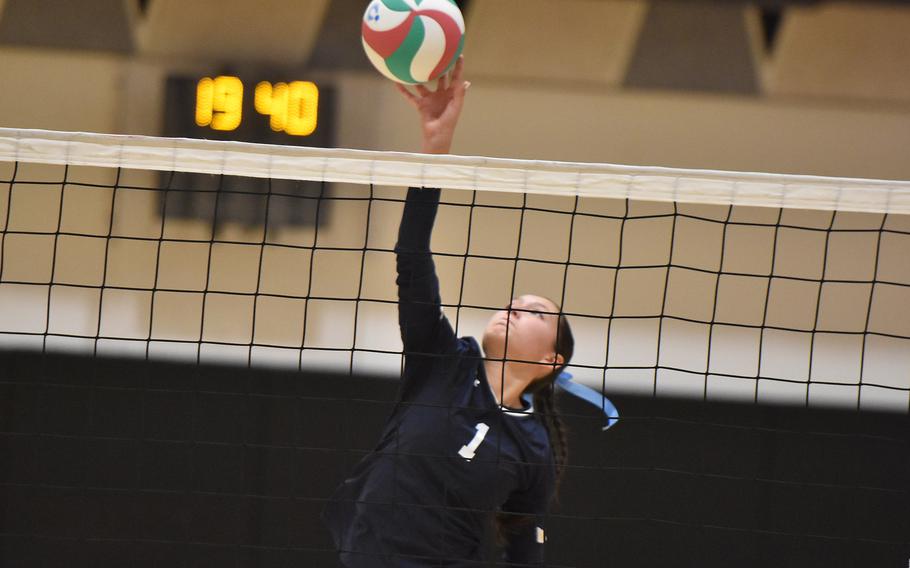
219, 102
293, 108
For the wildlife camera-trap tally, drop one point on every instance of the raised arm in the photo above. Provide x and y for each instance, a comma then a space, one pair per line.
439, 109
419, 305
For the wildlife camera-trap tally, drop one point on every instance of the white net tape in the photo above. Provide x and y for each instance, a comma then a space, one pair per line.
745, 286
456, 172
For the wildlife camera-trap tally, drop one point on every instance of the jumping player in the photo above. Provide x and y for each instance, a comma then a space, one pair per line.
475, 436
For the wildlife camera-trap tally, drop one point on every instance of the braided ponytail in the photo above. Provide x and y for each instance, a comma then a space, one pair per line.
545, 406
544, 394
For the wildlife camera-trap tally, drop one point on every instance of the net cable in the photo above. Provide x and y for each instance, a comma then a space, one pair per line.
762, 289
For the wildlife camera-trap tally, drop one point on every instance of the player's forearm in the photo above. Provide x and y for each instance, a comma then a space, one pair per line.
417, 220
418, 287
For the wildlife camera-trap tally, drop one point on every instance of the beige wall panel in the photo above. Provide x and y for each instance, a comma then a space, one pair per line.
278, 31
848, 50
144, 88
659, 128
56, 90
571, 40
59, 90
500, 120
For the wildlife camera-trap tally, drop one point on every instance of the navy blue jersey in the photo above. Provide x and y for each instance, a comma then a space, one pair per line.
449, 456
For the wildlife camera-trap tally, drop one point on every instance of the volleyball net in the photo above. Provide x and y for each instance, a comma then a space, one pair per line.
717, 287
741, 286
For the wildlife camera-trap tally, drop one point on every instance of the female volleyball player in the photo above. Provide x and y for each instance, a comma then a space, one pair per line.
463, 445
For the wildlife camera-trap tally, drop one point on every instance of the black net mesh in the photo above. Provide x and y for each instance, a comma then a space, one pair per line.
189, 391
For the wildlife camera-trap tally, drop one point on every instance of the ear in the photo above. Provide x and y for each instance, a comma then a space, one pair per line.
555, 359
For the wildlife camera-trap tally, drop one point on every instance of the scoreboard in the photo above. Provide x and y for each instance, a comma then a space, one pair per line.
284, 110
288, 110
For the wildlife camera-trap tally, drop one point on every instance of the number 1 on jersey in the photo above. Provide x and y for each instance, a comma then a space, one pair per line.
467, 451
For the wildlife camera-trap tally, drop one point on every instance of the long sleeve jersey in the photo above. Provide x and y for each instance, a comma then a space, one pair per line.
449, 456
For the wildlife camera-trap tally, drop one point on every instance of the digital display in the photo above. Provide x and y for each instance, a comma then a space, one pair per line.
282, 110
293, 107
219, 102
290, 107
266, 108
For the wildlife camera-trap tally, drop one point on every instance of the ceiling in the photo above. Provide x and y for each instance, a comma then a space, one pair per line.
855, 50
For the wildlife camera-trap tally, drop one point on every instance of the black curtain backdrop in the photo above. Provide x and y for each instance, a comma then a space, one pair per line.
114, 462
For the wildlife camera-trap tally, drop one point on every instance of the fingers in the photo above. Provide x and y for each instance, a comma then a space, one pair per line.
449, 87
457, 72
460, 86
452, 78
460, 90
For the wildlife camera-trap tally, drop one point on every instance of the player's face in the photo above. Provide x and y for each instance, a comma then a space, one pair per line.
531, 323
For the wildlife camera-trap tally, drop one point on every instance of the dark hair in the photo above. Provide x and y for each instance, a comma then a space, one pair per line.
544, 395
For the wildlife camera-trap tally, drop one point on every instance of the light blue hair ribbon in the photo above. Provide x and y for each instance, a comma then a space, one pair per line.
564, 381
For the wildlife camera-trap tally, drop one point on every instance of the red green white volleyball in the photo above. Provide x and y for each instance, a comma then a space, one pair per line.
413, 41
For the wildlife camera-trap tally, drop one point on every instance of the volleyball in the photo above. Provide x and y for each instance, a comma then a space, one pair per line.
413, 41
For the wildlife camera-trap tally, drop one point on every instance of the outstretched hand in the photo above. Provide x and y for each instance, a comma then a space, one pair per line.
439, 109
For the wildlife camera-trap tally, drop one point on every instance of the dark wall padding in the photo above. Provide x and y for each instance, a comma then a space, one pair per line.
124, 463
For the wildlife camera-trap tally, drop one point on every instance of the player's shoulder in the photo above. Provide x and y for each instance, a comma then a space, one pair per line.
467, 346
447, 341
